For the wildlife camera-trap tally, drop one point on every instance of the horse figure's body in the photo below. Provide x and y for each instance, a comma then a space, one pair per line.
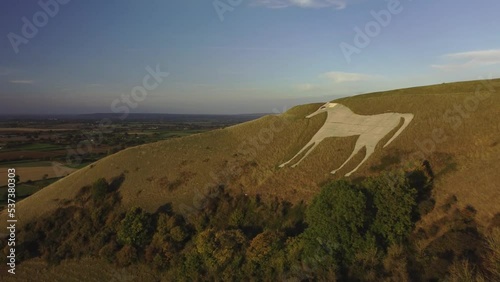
342, 122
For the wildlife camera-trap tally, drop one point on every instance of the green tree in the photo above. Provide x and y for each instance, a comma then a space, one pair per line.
136, 228
395, 203
265, 256
99, 189
336, 232
221, 250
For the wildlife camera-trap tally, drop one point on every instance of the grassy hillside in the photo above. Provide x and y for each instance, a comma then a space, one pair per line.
455, 133
457, 129
455, 124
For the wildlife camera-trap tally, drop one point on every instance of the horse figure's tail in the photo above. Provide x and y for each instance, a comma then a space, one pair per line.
407, 119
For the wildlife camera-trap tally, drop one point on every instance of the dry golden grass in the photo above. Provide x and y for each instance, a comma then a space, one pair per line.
472, 148
466, 165
245, 158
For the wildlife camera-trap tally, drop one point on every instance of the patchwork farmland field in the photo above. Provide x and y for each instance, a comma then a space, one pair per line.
35, 173
49, 149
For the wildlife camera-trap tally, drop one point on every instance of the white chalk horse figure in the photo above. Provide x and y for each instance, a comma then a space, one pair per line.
342, 122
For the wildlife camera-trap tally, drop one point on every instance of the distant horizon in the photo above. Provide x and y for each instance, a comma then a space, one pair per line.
239, 56
118, 114
277, 108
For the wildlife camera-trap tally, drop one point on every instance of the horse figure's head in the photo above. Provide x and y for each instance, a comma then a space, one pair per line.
323, 108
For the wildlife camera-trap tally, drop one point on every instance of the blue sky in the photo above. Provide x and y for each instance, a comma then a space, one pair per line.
230, 56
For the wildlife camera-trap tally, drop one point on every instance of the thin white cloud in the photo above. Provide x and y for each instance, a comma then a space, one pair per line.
279, 4
340, 77
22, 81
335, 77
305, 87
471, 59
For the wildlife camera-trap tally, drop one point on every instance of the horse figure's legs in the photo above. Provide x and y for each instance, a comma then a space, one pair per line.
369, 151
308, 152
407, 120
359, 145
300, 152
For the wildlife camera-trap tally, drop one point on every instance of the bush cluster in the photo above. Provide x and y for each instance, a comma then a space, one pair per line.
350, 231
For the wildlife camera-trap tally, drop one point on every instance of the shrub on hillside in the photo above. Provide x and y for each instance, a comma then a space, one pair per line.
492, 256
394, 202
396, 264
221, 250
136, 229
265, 255
99, 189
351, 225
108, 252
126, 256
337, 219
